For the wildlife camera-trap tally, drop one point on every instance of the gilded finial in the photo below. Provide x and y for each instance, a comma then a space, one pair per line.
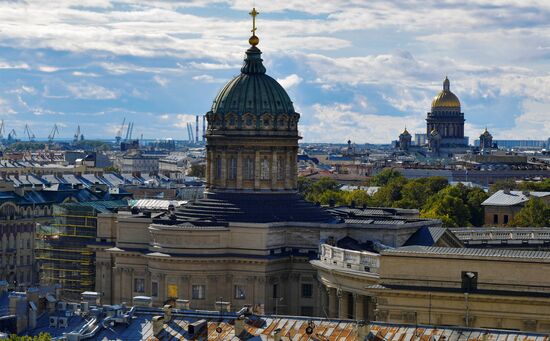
254, 40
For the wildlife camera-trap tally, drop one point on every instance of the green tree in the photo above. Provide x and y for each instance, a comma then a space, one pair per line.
111, 169
358, 197
39, 337
390, 193
502, 184
385, 177
198, 170
474, 199
450, 209
535, 213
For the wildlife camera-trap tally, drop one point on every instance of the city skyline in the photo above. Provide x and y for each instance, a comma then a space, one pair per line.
362, 71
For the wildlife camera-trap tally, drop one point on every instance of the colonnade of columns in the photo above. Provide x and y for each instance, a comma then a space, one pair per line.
347, 305
447, 129
280, 173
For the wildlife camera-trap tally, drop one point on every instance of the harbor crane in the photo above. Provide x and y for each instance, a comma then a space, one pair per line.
78, 135
12, 135
55, 130
29, 133
2, 130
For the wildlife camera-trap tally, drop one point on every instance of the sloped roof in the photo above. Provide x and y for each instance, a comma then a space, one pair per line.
512, 198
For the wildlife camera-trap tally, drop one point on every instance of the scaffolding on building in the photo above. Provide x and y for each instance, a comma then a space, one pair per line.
62, 246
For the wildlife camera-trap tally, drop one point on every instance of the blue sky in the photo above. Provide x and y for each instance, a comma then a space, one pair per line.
355, 69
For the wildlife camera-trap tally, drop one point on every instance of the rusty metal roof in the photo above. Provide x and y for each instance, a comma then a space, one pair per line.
257, 327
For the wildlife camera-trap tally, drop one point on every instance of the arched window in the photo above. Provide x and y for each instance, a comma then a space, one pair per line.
264, 173
232, 168
248, 171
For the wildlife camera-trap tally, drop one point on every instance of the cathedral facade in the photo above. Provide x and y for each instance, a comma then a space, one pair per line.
445, 123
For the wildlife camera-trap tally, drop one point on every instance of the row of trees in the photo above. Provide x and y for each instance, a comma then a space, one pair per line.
434, 197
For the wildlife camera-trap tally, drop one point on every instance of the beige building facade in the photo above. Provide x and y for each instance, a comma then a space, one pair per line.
442, 286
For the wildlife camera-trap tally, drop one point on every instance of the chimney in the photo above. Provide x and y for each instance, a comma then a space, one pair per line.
239, 325
32, 295
167, 313
182, 304
197, 128
203, 128
223, 306
142, 301
158, 325
363, 330
277, 334
526, 193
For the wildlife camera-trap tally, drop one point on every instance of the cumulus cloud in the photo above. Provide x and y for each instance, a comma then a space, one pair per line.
290, 81
90, 91
344, 123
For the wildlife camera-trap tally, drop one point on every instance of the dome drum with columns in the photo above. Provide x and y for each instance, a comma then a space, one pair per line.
252, 135
252, 147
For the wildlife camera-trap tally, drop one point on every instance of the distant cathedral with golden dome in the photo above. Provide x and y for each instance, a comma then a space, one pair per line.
444, 127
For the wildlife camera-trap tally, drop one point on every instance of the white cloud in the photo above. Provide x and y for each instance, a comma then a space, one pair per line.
162, 81
47, 68
290, 81
344, 123
183, 119
90, 91
207, 79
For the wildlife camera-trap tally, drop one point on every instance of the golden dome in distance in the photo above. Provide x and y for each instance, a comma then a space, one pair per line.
446, 99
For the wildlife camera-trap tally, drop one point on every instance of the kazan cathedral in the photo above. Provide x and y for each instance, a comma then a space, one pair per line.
251, 239
444, 127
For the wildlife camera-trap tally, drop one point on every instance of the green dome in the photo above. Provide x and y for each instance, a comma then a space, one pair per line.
252, 91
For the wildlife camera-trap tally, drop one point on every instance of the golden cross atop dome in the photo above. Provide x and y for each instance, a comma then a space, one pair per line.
254, 40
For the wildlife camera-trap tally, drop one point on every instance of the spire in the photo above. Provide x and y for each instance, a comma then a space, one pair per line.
446, 84
253, 61
254, 40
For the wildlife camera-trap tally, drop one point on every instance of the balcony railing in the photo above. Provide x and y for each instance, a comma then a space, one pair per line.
349, 259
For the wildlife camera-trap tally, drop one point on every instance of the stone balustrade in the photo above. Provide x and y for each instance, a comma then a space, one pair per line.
349, 259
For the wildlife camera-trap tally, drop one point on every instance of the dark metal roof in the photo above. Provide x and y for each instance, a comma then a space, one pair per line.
253, 208
468, 252
253, 91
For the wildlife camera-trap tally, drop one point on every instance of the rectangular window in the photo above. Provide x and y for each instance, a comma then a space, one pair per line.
139, 285
28, 259
307, 290
495, 219
280, 168
248, 166
239, 292
505, 219
154, 289
232, 168
198, 292
28, 243
218, 167
469, 281
265, 169
275, 291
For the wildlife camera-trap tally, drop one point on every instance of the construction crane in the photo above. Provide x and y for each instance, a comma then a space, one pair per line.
29, 133
190, 132
55, 130
118, 136
129, 131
